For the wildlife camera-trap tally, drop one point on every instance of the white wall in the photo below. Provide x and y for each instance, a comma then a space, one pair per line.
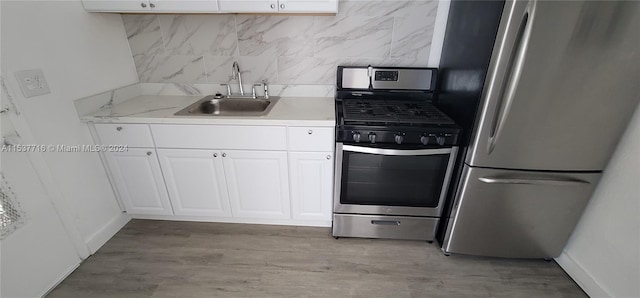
81, 54
603, 254
41, 253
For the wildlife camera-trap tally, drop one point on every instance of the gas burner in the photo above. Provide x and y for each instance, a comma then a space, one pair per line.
396, 112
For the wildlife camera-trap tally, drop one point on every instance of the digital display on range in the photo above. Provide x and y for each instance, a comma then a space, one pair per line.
386, 75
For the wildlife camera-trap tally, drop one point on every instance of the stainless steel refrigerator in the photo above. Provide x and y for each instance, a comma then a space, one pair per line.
561, 85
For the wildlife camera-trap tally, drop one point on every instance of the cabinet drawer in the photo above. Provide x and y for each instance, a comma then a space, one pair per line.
220, 137
311, 138
132, 135
390, 227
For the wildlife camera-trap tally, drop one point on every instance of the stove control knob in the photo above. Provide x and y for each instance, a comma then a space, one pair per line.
372, 137
356, 137
440, 140
399, 138
424, 140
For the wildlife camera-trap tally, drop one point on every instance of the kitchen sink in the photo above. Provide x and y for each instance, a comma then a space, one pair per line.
213, 105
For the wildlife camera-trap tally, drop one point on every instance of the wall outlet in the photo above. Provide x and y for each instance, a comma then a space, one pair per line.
32, 82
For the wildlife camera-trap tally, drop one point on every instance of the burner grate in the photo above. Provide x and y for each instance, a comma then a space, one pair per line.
381, 111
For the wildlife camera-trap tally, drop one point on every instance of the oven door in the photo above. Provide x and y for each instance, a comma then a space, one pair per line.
372, 180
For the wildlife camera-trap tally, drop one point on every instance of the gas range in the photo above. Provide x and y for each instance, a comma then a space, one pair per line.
395, 152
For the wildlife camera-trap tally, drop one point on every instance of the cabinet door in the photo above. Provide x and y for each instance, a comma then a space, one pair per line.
248, 6
195, 181
139, 182
311, 185
184, 5
258, 183
308, 6
116, 5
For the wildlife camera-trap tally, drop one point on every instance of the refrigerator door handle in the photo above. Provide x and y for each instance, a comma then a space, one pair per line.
533, 181
514, 67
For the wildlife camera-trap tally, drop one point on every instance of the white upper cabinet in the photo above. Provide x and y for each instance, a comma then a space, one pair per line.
269, 6
184, 5
212, 6
279, 6
116, 5
301, 6
151, 6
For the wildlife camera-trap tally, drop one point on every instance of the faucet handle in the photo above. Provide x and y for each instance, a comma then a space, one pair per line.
253, 90
266, 89
228, 89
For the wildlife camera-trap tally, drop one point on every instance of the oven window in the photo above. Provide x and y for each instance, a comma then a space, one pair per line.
412, 181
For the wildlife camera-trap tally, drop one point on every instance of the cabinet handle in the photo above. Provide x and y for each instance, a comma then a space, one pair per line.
310, 131
119, 128
328, 157
152, 5
215, 155
149, 153
282, 6
224, 155
143, 5
273, 6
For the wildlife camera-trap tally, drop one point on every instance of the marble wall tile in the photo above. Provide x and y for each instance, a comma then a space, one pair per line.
253, 69
286, 50
171, 69
256, 69
219, 69
268, 35
307, 70
304, 90
371, 8
143, 33
413, 31
199, 34
357, 36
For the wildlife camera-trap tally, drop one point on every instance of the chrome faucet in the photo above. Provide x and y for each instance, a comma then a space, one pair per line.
235, 74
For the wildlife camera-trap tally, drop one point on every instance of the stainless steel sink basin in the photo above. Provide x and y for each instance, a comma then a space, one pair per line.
214, 106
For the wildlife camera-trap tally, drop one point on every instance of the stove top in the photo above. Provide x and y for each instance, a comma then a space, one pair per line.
382, 112
391, 106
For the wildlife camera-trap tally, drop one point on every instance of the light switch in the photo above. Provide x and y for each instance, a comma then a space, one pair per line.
32, 82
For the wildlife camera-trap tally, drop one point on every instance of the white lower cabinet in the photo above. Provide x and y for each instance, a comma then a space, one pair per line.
196, 182
242, 184
258, 183
266, 174
279, 6
311, 183
138, 181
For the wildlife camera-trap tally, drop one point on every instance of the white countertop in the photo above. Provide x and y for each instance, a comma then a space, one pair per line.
159, 109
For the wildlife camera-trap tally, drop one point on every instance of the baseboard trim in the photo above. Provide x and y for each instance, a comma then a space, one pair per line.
99, 238
581, 276
62, 277
261, 221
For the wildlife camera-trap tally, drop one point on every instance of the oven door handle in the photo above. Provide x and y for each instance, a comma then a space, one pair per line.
396, 152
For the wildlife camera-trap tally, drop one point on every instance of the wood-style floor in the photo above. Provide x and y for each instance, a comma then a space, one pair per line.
189, 259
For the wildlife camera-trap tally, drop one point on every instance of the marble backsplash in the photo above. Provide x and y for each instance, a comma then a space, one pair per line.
285, 50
